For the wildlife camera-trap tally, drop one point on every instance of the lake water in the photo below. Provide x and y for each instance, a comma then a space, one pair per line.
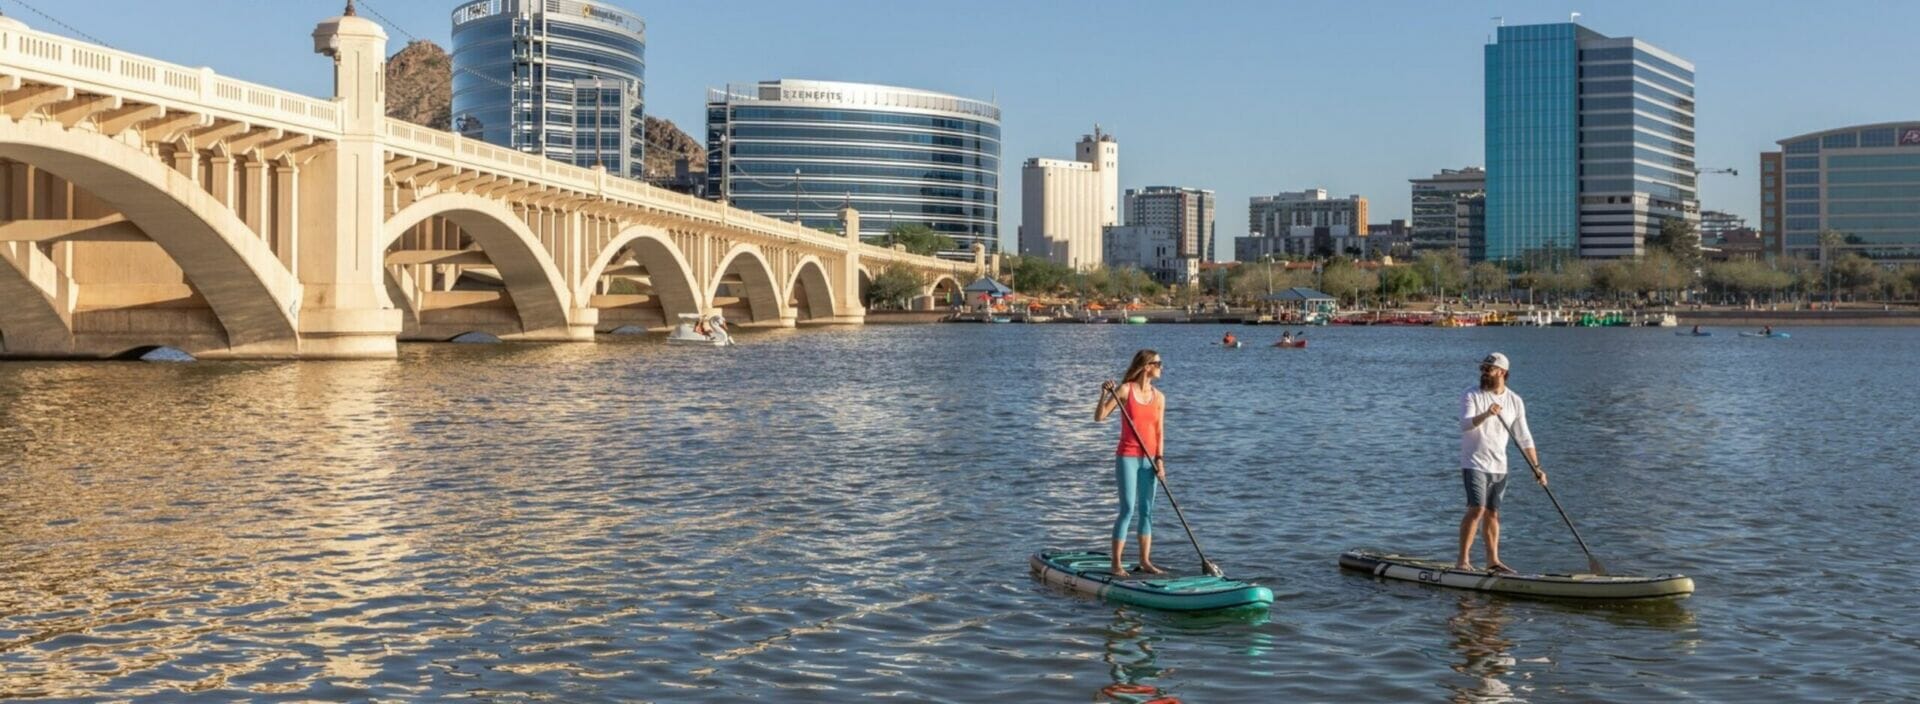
846, 514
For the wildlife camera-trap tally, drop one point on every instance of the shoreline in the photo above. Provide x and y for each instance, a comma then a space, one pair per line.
1687, 318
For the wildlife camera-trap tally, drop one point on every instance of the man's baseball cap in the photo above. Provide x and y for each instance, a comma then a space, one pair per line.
1498, 360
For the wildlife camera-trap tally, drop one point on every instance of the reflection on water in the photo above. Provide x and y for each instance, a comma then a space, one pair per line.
1485, 655
841, 514
1131, 661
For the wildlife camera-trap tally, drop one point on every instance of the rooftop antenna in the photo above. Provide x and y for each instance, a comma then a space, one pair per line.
350, 12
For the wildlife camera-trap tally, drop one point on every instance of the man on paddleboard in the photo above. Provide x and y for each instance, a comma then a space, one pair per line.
1488, 413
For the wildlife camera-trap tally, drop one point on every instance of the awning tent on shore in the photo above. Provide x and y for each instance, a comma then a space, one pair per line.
987, 286
1299, 294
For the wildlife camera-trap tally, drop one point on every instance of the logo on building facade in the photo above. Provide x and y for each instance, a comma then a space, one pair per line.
829, 96
1910, 137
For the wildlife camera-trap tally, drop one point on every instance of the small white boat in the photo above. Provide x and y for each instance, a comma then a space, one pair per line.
693, 330
1667, 320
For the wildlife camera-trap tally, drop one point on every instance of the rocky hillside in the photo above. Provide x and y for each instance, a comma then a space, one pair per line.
667, 142
420, 85
420, 91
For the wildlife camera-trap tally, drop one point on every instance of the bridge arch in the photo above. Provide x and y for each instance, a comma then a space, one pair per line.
670, 279
942, 290
539, 293
810, 293
252, 296
745, 270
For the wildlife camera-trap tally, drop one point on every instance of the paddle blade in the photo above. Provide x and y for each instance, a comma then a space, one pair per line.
1211, 570
1593, 564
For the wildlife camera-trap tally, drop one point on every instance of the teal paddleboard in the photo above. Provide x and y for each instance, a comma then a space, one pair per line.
1087, 573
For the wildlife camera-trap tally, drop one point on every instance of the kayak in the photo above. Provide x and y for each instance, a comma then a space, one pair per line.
1765, 334
1684, 333
1086, 573
1566, 586
1295, 344
1234, 344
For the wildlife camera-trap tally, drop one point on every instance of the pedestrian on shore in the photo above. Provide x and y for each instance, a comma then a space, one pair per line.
1489, 413
1138, 460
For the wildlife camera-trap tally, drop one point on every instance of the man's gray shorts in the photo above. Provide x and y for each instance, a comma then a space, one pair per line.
1484, 489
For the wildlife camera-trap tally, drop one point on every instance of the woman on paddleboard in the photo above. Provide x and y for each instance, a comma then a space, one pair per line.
1138, 461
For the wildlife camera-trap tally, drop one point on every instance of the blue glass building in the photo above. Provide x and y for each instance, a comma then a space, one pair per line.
1861, 182
800, 150
555, 77
1590, 143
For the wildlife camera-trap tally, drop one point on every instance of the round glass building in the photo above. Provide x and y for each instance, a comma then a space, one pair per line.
555, 77
800, 150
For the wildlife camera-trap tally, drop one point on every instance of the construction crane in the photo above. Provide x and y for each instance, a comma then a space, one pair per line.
1729, 172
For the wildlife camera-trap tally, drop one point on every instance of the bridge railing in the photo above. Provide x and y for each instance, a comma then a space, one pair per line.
446, 147
91, 68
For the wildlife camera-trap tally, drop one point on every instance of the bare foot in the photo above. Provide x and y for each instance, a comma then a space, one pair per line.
1150, 568
1117, 572
1500, 568
1464, 567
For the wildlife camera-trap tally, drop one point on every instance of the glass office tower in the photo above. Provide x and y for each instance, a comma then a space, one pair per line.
554, 77
1589, 143
800, 150
1862, 182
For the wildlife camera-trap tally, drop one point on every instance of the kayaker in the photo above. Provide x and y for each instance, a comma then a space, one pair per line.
1228, 340
1488, 412
1141, 443
1696, 329
1767, 330
1286, 337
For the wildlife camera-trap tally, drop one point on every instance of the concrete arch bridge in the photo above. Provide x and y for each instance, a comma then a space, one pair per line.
144, 203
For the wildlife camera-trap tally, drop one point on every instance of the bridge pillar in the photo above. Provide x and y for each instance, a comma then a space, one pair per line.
344, 310
847, 306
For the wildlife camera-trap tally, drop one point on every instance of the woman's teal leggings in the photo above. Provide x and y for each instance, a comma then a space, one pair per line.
1134, 476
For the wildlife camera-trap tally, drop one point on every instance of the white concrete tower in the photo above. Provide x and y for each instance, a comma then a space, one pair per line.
1100, 150
345, 311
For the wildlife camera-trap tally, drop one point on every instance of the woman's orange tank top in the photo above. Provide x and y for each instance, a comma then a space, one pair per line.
1146, 418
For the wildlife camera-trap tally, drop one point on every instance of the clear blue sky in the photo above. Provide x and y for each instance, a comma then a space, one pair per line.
1245, 98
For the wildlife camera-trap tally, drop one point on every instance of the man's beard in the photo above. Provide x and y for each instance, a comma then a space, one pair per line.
1489, 382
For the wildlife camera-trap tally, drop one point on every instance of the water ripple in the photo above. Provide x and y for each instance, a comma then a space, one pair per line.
845, 513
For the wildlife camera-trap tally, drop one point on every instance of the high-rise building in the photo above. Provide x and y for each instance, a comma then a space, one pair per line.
1715, 224
1772, 197
1185, 212
1450, 212
554, 77
1860, 182
1150, 248
1590, 143
1065, 204
801, 150
1303, 224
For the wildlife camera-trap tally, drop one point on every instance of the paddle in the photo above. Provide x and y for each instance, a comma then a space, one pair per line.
1593, 563
1206, 565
